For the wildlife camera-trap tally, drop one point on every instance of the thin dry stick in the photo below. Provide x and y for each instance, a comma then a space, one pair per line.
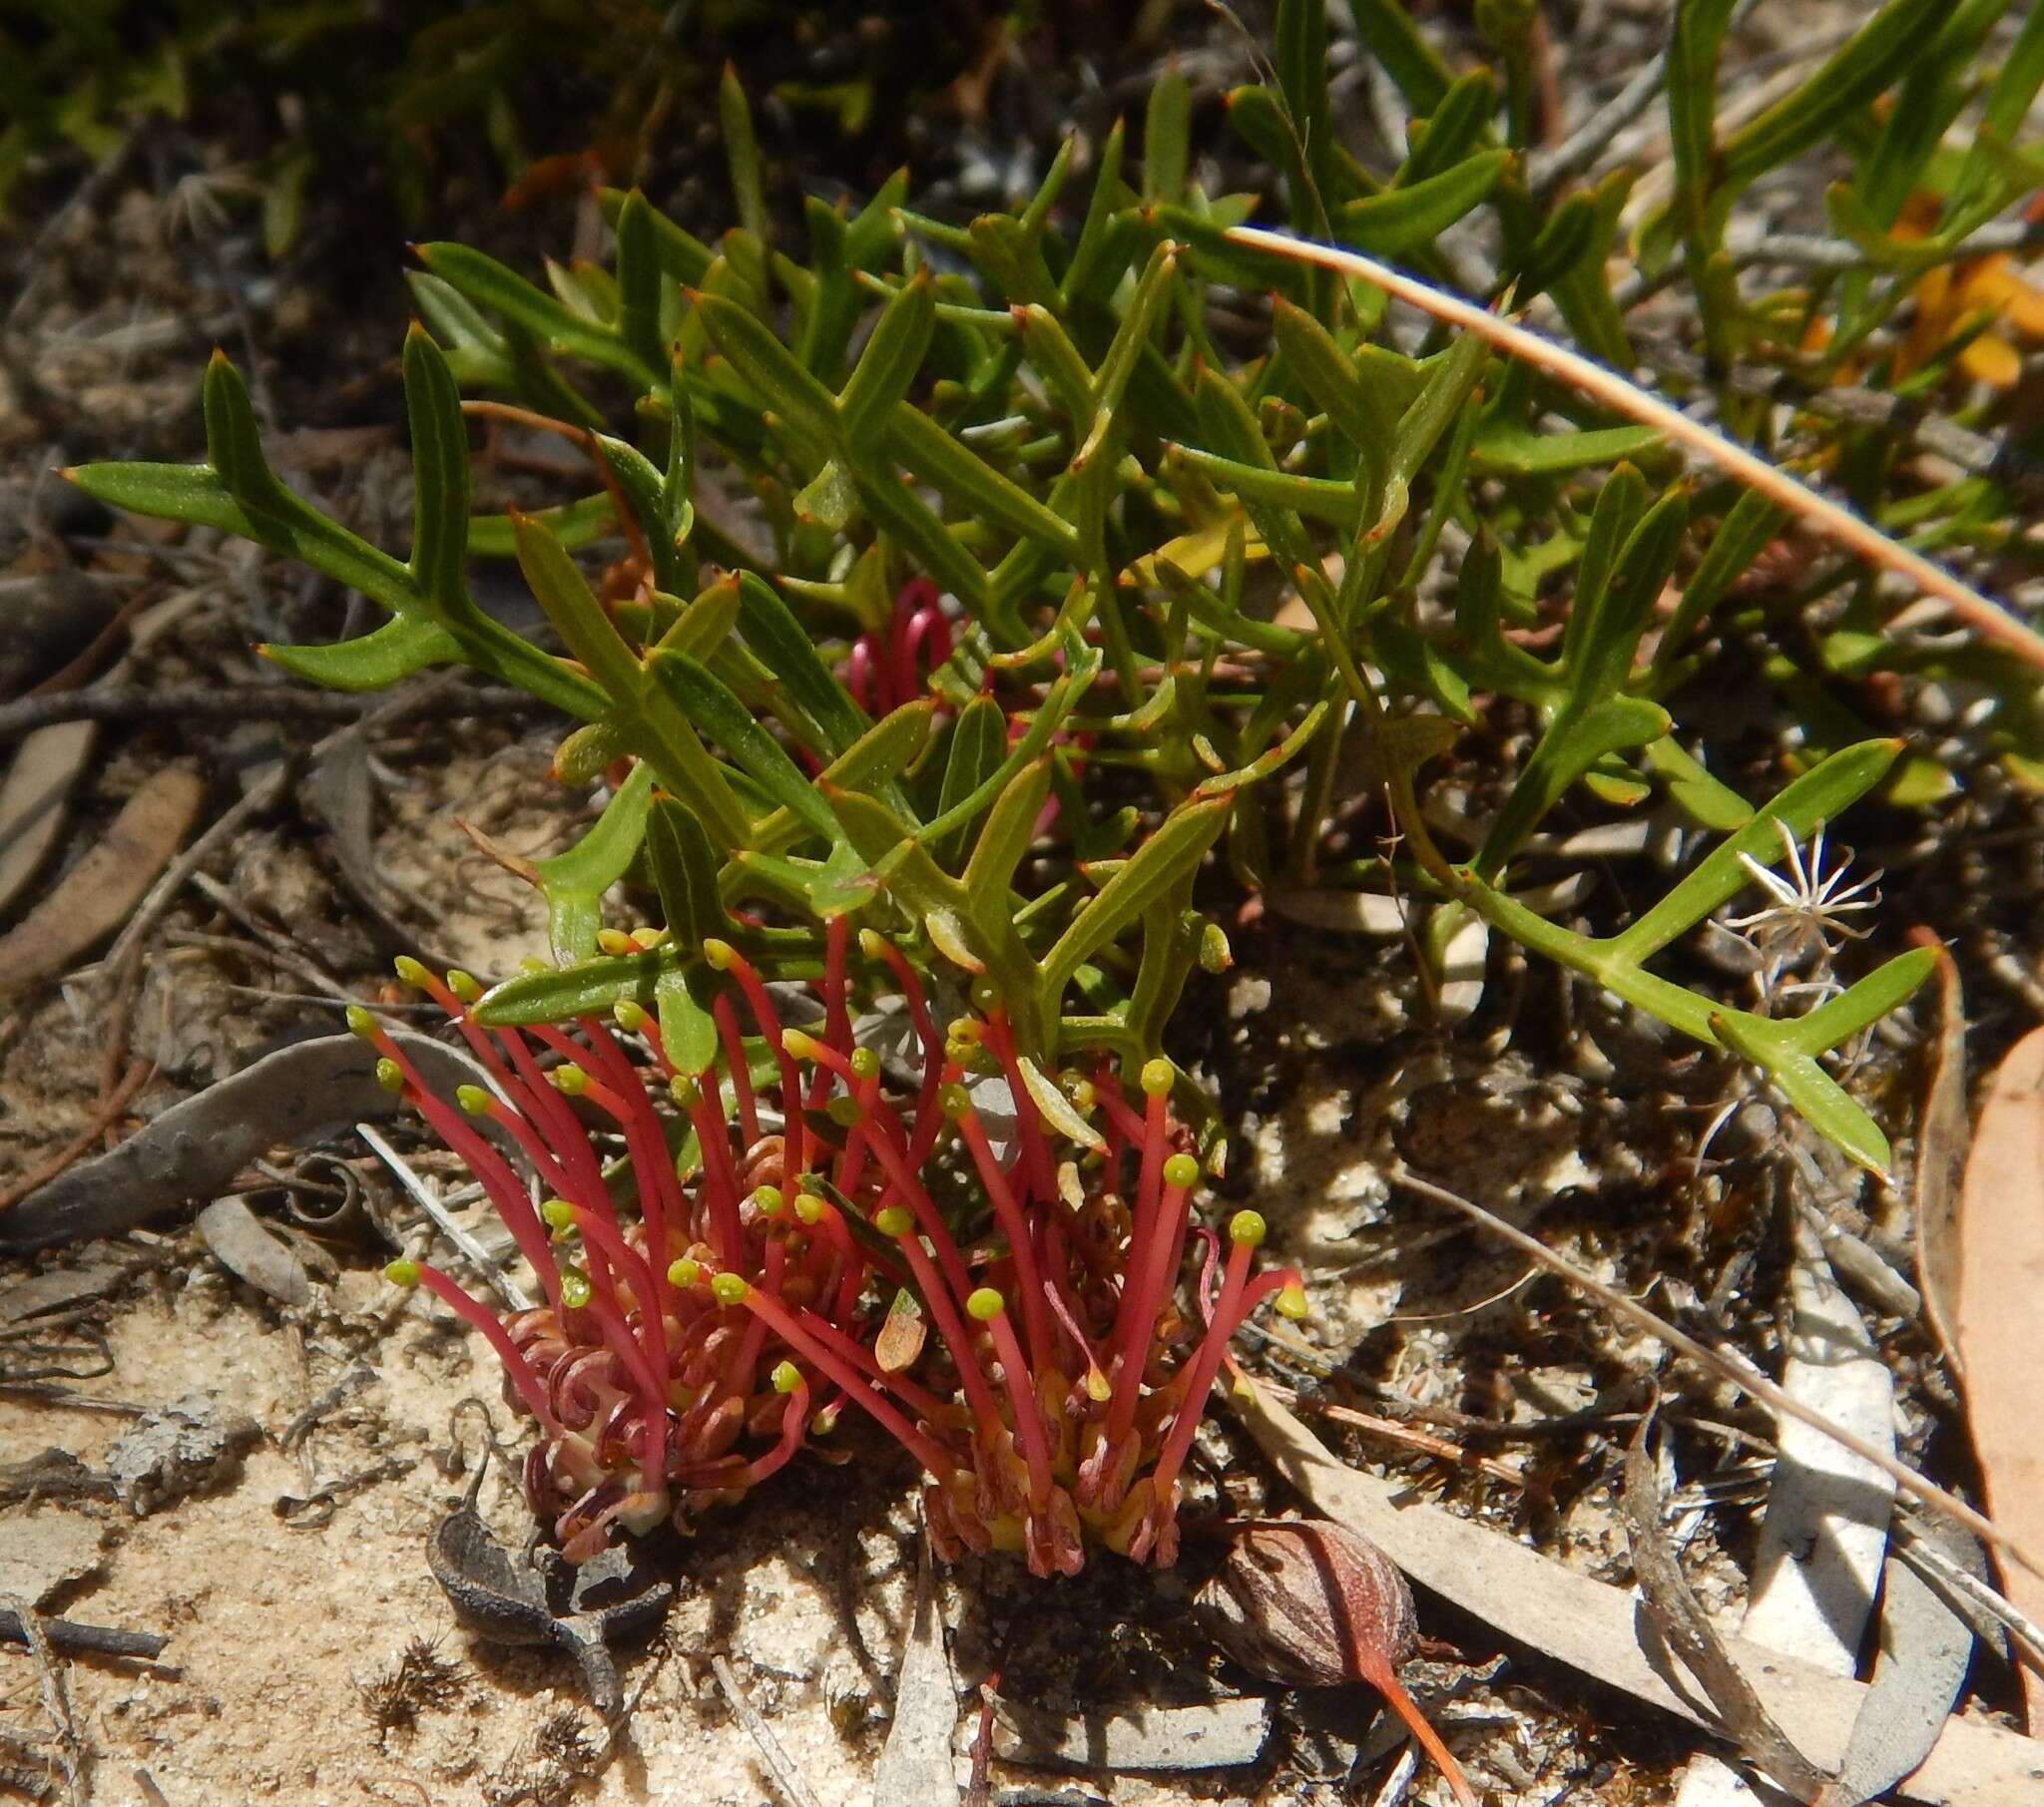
1735, 1368
1828, 518
73, 1754
779, 1765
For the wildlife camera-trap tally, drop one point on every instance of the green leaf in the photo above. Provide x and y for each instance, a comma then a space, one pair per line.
687, 1029
989, 874
978, 739
1451, 131
374, 661
708, 705
1400, 220
789, 653
773, 370
1506, 446
439, 468
587, 988
1417, 69
1172, 853
575, 880
685, 875
1819, 795
490, 284
165, 492
1576, 741
969, 482
742, 152
1850, 78
1167, 129
893, 354
1823, 1104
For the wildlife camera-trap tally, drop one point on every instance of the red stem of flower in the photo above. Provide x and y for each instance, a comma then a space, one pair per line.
926, 1450
1142, 1295
1199, 1370
482, 1318
1035, 1319
1029, 1430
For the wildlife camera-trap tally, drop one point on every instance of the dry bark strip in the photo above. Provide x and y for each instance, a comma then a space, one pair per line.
2001, 1278
1597, 1629
94, 898
195, 1149
1680, 1620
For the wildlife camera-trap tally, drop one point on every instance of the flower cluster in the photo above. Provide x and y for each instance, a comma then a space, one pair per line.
806, 1213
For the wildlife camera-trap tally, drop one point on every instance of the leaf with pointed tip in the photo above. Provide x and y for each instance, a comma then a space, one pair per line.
574, 881
1401, 220
374, 662
684, 873
711, 707
587, 988
1173, 851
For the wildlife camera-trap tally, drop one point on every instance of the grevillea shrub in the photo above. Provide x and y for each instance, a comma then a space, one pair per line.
807, 1214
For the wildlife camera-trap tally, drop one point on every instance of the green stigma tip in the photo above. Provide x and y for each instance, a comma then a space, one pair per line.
1291, 1302
571, 1080
720, 954
557, 1214
410, 971
685, 1272
1215, 956
730, 1289
576, 1290
824, 1421
963, 1028
895, 1220
786, 1377
808, 1208
464, 986
986, 995
684, 1092
472, 1099
986, 1304
871, 943
390, 1075
615, 941
360, 1022
770, 1199
798, 1044
1180, 1170
956, 1102
865, 1064
1157, 1078
846, 1112
402, 1273
630, 1017
1246, 1228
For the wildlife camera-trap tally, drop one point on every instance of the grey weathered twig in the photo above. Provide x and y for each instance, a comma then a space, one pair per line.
87, 1641
238, 702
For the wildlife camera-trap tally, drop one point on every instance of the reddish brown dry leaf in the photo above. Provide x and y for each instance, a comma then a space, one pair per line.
2001, 1278
1941, 1158
34, 797
95, 897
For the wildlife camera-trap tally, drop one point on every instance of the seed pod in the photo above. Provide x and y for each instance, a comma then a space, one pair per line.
1313, 1604
1309, 1604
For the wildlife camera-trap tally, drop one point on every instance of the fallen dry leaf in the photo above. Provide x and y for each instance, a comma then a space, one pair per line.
1941, 1158
95, 897
2001, 1278
1595, 1628
32, 801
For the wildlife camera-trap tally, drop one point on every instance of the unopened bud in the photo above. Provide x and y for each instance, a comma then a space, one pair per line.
720, 954
576, 1290
730, 1289
473, 1098
570, 1078
986, 1304
1157, 1078
401, 1273
464, 986
615, 941
390, 1075
1244, 1227
630, 1017
786, 1377
411, 972
895, 1220
1182, 1171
